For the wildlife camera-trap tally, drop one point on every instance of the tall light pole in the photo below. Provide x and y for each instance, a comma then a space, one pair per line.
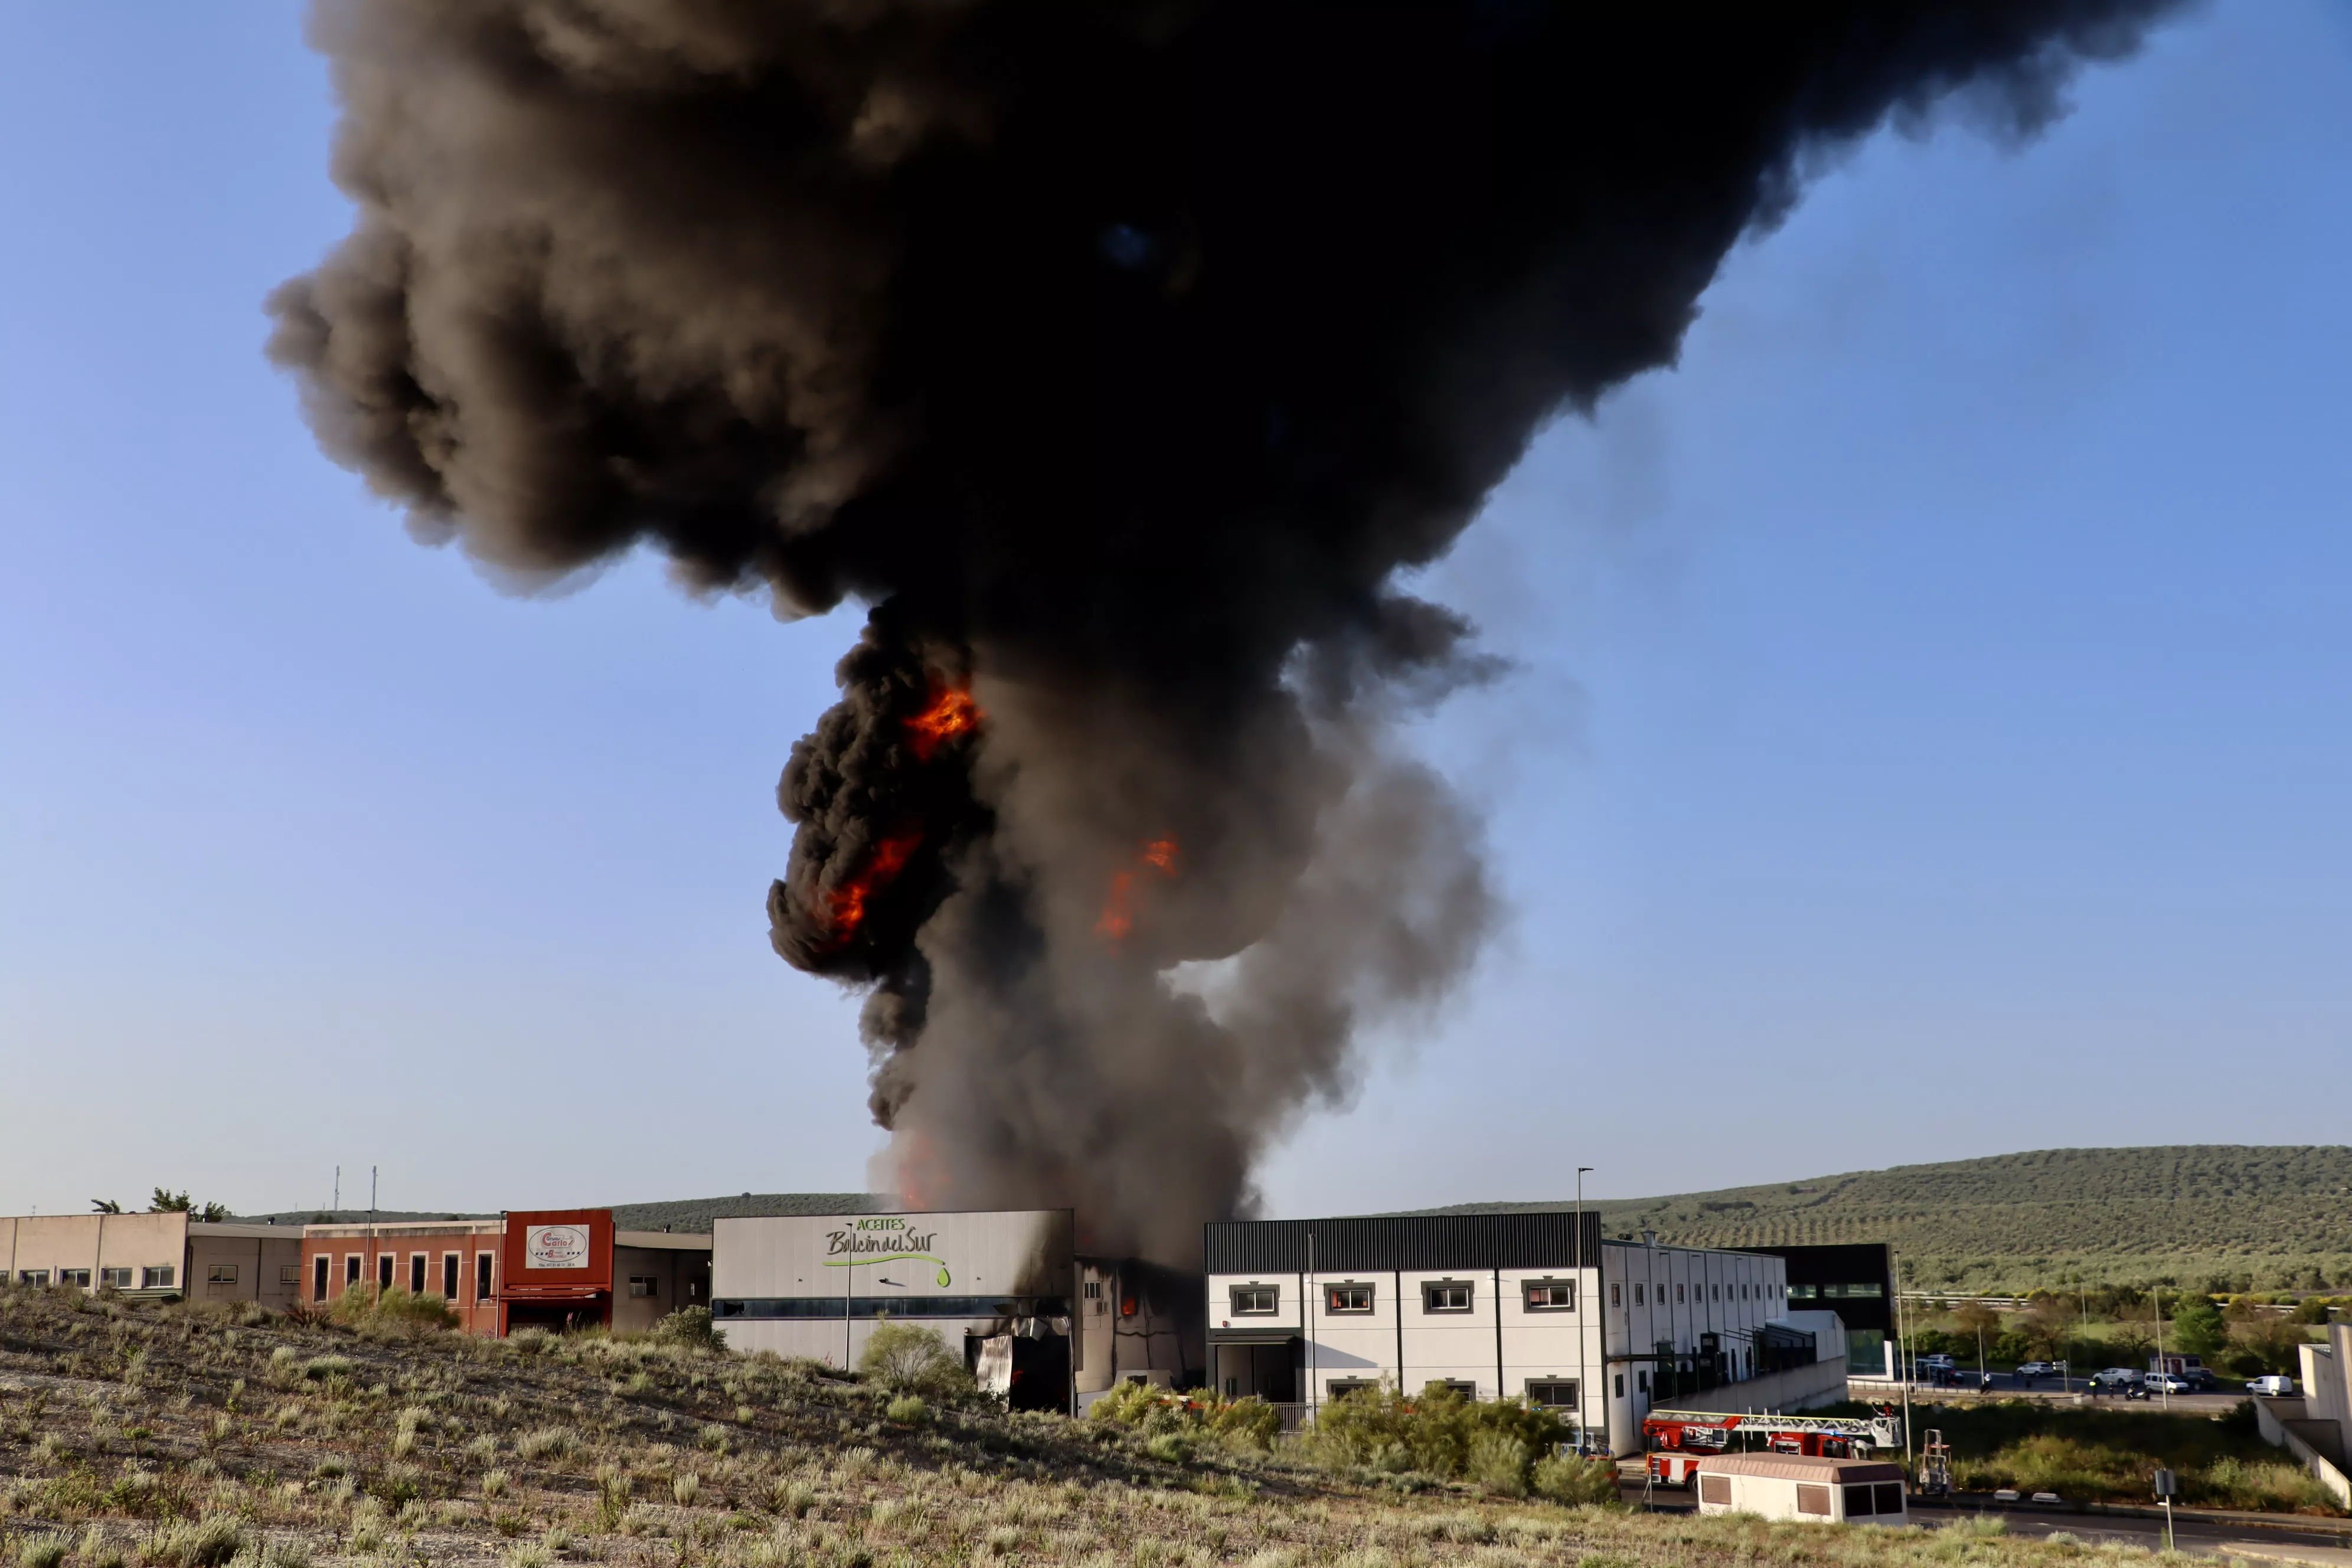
1583, 1382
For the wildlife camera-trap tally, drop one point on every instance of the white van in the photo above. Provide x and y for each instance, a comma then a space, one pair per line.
2273, 1386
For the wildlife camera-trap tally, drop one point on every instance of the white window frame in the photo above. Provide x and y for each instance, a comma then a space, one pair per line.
1239, 1294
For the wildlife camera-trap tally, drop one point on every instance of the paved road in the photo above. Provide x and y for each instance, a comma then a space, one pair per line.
2192, 1536
2050, 1390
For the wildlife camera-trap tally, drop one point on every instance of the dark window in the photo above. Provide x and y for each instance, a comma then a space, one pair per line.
351, 1269
1256, 1300
1641, 1381
159, 1279
449, 1275
1890, 1497
1638, 1300
1801, 1293
383, 1271
1813, 1500
74, 1276
417, 1274
1715, 1489
1552, 1394
481, 1277
1094, 1290
1678, 1292
117, 1277
1616, 1295
1551, 1295
1857, 1502
220, 1274
643, 1285
1345, 1299
32, 1277
1719, 1294
1459, 1386
319, 1267
1620, 1386
1445, 1295
1341, 1387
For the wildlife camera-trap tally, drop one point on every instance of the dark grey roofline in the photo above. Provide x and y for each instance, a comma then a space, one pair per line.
1420, 1243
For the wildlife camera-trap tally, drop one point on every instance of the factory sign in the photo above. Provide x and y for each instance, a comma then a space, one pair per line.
555, 1246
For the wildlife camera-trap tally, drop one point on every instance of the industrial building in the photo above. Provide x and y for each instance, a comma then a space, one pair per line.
1856, 1282
1004, 1288
551, 1269
1796, 1487
1515, 1305
160, 1255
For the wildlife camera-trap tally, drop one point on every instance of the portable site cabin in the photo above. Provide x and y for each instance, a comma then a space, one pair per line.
1796, 1486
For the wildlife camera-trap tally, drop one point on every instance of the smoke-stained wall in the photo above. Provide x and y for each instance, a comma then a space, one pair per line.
1121, 357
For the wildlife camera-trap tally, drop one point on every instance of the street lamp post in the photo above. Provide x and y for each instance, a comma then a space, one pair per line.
1585, 1313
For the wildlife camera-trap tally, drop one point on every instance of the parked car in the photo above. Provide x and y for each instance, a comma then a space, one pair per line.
2273, 1386
2037, 1369
2116, 1378
2203, 1380
2167, 1382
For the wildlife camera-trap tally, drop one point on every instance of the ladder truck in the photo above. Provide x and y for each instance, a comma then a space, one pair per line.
1678, 1440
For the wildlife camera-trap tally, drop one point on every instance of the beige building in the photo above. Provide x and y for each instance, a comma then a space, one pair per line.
155, 1256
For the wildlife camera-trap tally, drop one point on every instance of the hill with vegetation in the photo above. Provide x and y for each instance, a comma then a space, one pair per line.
202, 1435
2212, 1217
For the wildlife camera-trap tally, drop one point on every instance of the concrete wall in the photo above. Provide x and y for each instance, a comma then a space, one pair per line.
1798, 1388
260, 1263
81, 1248
654, 1273
2328, 1379
2276, 1419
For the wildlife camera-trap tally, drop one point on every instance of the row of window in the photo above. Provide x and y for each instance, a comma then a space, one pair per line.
119, 1278
1437, 1296
387, 1266
1746, 1291
1869, 1292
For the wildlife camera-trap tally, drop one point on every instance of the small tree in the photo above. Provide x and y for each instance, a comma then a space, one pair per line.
2197, 1327
104, 1206
907, 1358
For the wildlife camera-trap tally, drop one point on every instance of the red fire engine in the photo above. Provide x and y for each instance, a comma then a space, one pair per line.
1679, 1439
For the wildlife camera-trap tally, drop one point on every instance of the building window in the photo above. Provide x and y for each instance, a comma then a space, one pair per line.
159, 1279
1620, 1386
643, 1285
1551, 1295
220, 1274
1801, 1293
448, 1275
1552, 1393
417, 1274
1461, 1385
1678, 1293
74, 1276
481, 1277
1813, 1500
351, 1269
119, 1278
1641, 1381
1445, 1295
1638, 1298
289, 1276
1094, 1290
1716, 1293
1341, 1387
383, 1271
32, 1277
1617, 1299
1256, 1300
1342, 1299
319, 1267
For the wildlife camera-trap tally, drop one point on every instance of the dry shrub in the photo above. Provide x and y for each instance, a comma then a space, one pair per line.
907, 1358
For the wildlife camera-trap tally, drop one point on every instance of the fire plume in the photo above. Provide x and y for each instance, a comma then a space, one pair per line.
847, 902
950, 712
1117, 917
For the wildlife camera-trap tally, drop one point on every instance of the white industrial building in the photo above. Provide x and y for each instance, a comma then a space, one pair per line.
1504, 1306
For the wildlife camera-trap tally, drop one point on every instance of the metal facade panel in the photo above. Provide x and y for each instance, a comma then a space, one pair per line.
1423, 1243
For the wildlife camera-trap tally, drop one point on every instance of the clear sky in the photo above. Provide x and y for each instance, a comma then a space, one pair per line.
1929, 733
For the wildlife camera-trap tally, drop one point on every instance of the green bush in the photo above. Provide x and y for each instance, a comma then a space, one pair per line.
689, 1327
907, 1410
1196, 1414
1573, 1479
907, 1358
1433, 1431
1499, 1463
394, 1311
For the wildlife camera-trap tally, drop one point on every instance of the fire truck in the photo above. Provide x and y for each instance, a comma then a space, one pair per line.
1679, 1439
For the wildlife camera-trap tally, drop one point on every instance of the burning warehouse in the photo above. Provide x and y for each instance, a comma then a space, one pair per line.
1031, 1318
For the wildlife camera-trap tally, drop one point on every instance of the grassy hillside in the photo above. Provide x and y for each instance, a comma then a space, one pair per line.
2218, 1215
192, 1436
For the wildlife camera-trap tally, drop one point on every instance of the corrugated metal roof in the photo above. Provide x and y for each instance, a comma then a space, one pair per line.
1422, 1243
1801, 1468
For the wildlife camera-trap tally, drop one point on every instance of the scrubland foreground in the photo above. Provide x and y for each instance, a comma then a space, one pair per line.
195, 1436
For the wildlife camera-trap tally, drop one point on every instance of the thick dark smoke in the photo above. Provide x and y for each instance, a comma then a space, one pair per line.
1118, 355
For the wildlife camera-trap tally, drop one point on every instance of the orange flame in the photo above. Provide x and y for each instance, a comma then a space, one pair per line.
847, 902
1117, 917
951, 712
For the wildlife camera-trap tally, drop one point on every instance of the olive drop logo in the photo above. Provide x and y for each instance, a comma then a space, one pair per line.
883, 1240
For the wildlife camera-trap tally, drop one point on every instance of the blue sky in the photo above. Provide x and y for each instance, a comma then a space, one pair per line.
1927, 739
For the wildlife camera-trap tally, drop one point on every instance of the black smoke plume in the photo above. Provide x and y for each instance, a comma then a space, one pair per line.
1119, 355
